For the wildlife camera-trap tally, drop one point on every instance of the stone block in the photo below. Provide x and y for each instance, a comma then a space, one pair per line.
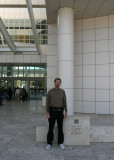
102, 134
41, 133
76, 131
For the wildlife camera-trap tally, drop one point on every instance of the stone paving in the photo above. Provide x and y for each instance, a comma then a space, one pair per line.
18, 132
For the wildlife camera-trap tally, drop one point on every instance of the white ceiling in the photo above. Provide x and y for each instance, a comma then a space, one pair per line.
82, 8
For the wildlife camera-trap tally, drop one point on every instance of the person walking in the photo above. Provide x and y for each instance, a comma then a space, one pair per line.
55, 106
17, 93
10, 93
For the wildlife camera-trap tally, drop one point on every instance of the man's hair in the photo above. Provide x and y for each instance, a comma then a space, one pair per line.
57, 79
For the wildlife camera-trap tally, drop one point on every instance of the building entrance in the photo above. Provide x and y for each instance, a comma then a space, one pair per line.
35, 88
32, 78
21, 84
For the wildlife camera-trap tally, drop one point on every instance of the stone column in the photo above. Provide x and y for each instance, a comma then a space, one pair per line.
65, 24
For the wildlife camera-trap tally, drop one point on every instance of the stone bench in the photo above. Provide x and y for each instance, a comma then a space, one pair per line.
102, 134
76, 131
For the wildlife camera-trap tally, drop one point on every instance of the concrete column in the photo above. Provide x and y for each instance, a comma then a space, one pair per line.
65, 24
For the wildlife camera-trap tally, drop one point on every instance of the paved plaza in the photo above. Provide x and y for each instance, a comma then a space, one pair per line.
18, 136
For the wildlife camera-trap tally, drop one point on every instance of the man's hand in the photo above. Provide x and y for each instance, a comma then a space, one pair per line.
47, 114
66, 115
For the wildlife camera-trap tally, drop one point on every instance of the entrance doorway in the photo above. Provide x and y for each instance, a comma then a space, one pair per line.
37, 89
21, 84
32, 77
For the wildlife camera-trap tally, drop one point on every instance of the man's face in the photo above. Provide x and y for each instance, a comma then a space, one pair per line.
57, 83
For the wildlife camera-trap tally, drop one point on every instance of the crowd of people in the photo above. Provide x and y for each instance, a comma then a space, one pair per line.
8, 94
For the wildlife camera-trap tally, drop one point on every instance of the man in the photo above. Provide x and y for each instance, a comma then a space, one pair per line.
55, 106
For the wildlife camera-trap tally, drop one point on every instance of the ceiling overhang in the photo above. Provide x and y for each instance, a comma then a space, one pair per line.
82, 8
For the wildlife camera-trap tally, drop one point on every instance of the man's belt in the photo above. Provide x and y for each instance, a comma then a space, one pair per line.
56, 108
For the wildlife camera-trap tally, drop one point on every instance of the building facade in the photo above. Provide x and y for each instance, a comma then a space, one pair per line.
78, 49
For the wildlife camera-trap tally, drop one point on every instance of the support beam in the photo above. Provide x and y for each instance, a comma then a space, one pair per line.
30, 11
18, 49
20, 6
7, 37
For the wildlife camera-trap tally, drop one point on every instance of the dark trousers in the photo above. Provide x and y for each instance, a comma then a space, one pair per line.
55, 115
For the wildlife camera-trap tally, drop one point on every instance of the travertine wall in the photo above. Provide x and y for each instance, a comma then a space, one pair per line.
24, 57
94, 64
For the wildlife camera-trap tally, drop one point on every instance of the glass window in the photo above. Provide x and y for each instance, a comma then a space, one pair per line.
43, 27
20, 73
31, 71
26, 74
22, 23
32, 41
38, 26
20, 68
37, 72
43, 22
4, 74
26, 69
15, 74
43, 72
42, 41
15, 68
5, 20
4, 68
16, 23
9, 71
15, 71
10, 20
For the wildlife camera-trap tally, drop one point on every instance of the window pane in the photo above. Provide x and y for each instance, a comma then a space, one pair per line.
15, 68
26, 69
43, 72
31, 71
37, 72
15, 74
31, 74
4, 74
26, 74
9, 71
4, 68
21, 74
20, 68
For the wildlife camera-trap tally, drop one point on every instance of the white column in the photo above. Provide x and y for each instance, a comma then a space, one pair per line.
65, 26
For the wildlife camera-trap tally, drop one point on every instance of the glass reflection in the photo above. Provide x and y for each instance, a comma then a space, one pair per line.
22, 71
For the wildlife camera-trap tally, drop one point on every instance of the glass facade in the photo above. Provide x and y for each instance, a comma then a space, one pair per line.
21, 33
18, 24
22, 71
15, 16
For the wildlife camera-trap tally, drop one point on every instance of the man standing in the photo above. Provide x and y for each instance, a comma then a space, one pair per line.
55, 106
